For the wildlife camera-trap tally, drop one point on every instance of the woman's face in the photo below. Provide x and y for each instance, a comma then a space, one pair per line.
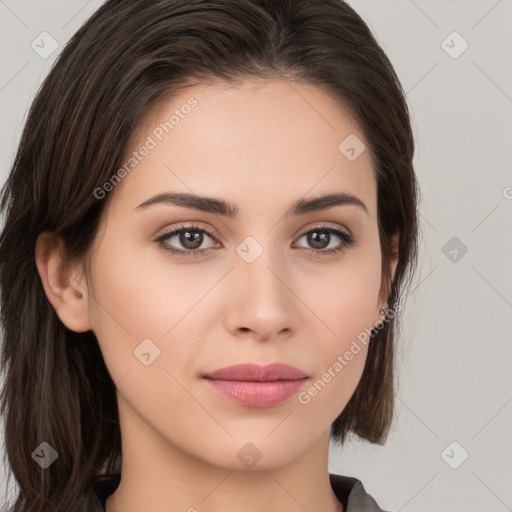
246, 285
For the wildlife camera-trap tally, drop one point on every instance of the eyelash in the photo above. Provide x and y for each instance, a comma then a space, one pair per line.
347, 240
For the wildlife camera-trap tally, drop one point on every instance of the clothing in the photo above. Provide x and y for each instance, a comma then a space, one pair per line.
348, 490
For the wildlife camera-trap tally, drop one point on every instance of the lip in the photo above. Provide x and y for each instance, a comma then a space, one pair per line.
257, 373
254, 385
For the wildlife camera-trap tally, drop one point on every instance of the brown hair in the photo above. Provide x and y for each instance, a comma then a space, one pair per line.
125, 58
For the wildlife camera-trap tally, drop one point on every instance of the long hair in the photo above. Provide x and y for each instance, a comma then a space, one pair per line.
57, 391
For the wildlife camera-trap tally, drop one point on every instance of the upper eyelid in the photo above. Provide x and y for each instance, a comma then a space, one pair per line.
325, 225
192, 227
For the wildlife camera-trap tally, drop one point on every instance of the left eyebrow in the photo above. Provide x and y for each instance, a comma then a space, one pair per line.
221, 207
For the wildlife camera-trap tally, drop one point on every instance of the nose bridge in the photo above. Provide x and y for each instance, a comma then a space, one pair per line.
264, 302
259, 263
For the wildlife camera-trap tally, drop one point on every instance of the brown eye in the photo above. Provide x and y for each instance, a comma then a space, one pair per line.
319, 238
190, 238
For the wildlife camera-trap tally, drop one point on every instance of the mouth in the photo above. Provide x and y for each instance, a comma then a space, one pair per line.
257, 373
257, 386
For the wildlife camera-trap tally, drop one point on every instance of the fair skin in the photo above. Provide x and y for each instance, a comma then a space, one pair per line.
262, 146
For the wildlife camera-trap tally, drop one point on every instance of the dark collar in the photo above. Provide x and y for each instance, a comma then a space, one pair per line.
348, 490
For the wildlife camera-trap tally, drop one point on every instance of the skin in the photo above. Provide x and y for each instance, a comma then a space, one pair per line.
261, 145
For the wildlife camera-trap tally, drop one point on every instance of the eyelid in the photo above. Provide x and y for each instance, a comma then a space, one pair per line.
184, 224
322, 224
213, 233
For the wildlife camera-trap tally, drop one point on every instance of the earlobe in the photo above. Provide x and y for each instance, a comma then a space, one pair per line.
64, 291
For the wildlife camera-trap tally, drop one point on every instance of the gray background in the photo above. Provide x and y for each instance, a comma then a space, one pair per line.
455, 349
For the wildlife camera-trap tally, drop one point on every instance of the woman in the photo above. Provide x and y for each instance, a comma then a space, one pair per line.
209, 225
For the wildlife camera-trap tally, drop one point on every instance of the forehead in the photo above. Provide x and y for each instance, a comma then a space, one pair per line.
252, 138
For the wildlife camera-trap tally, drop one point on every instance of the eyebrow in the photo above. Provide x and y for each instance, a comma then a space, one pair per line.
221, 207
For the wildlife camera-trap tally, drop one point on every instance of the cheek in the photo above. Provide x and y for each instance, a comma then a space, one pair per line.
140, 295
345, 298
329, 391
344, 295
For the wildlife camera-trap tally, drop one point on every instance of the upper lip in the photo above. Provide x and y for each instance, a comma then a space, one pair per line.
257, 373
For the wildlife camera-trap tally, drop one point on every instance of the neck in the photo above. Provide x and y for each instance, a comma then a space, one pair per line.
159, 476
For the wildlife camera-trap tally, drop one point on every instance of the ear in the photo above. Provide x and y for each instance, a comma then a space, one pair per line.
384, 291
65, 292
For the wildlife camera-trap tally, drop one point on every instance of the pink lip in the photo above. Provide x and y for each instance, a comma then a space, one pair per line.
257, 373
257, 386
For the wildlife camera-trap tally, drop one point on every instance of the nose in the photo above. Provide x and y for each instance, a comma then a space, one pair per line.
262, 304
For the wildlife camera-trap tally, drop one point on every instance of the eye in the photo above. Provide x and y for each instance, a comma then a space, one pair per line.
192, 237
321, 237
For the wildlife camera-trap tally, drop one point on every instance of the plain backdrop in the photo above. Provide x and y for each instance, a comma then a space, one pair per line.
450, 448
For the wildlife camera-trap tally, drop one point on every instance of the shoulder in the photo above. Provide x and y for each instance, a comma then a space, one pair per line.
351, 492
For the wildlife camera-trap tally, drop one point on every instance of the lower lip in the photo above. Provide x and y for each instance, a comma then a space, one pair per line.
257, 394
